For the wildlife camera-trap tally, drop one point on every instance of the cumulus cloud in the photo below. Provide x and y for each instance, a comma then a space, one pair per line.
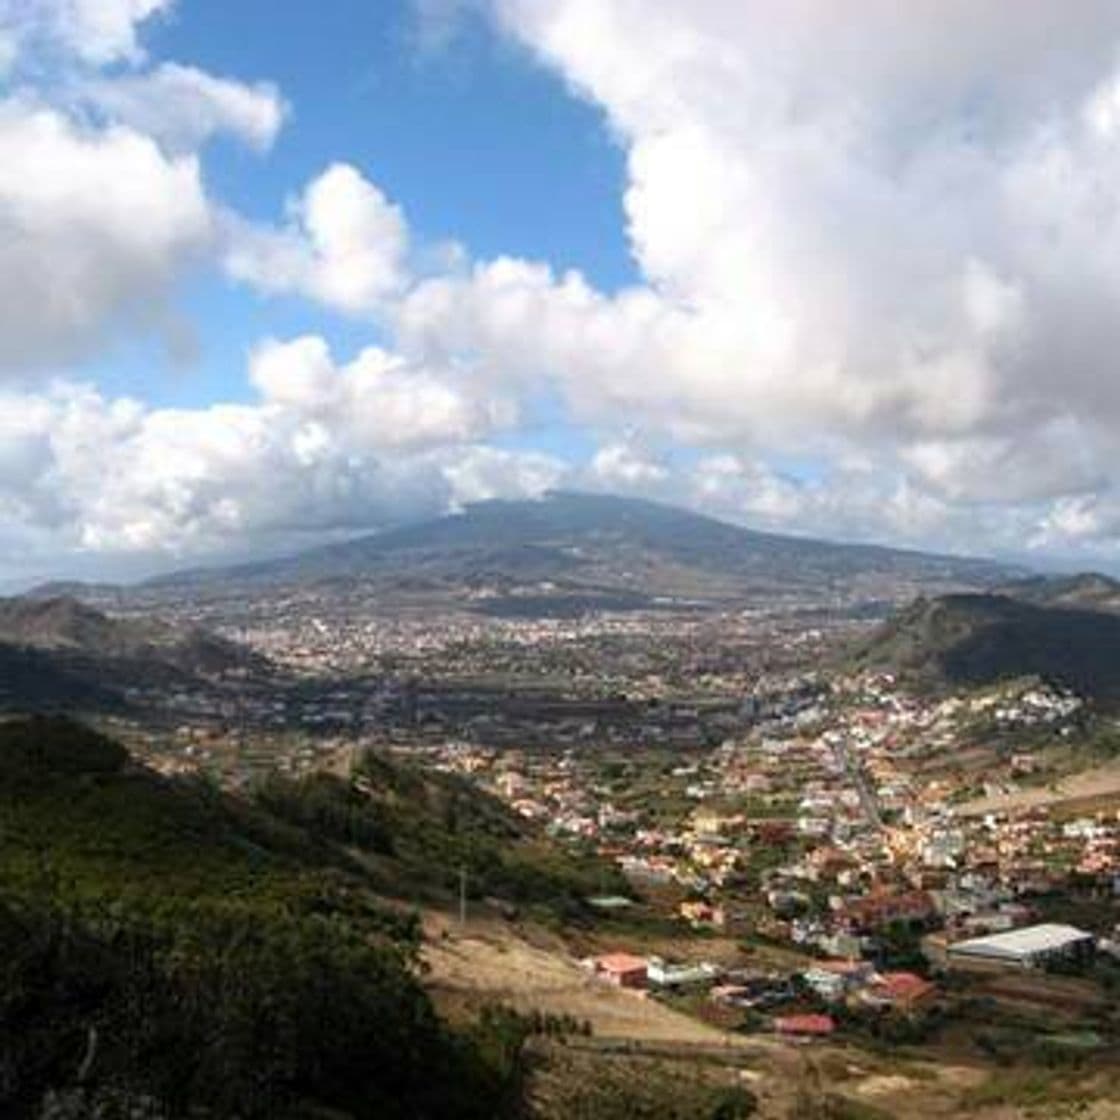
861, 236
96, 31
95, 224
344, 245
857, 220
326, 447
103, 205
375, 401
883, 241
182, 106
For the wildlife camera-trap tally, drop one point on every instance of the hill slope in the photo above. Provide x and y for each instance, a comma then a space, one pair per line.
65, 625
234, 955
600, 545
60, 654
981, 639
1088, 590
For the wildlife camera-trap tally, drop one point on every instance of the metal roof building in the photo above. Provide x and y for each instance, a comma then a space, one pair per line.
1025, 947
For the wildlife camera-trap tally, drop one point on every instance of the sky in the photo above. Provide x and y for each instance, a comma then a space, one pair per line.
274, 274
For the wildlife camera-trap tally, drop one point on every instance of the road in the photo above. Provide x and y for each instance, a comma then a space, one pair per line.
866, 794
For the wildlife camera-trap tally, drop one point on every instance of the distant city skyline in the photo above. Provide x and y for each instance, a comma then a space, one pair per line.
276, 274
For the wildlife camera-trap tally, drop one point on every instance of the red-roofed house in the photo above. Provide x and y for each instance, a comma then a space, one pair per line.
624, 970
903, 990
873, 912
805, 1026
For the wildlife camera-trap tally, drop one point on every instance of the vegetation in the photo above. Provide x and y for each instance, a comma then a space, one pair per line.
600, 1086
169, 950
434, 826
981, 639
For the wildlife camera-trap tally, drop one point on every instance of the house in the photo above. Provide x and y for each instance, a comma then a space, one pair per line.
666, 975
879, 910
623, 970
833, 980
903, 991
805, 1026
713, 822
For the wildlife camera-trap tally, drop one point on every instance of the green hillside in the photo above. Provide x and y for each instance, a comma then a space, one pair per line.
170, 948
982, 639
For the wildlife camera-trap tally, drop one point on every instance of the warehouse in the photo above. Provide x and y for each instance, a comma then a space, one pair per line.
1029, 947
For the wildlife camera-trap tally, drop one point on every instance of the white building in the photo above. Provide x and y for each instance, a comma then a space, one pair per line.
1028, 947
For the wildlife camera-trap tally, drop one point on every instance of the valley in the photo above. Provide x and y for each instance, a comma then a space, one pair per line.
731, 839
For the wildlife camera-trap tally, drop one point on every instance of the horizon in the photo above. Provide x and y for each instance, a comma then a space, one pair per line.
283, 277
1027, 570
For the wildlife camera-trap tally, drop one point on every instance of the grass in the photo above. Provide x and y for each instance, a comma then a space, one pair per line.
1028, 1089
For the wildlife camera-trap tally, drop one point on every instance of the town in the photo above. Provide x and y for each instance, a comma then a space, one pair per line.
827, 846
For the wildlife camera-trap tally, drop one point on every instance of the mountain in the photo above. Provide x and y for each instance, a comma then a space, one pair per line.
1089, 590
591, 546
981, 639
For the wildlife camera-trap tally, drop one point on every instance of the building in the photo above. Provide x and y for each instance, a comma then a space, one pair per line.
876, 911
903, 991
833, 980
665, 975
805, 1026
624, 970
712, 822
1029, 947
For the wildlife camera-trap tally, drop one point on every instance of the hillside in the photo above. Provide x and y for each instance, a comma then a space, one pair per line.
60, 654
64, 624
31, 680
588, 546
238, 956
1088, 590
981, 639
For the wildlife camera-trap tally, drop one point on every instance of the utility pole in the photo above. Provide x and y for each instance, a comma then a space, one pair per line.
462, 897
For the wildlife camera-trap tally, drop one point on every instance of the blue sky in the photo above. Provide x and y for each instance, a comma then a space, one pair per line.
271, 272
482, 143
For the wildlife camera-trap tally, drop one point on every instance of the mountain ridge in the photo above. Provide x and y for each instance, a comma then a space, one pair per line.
603, 542
981, 639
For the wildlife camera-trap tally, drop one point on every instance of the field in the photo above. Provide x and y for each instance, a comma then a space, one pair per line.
1087, 789
490, 961
635, 1040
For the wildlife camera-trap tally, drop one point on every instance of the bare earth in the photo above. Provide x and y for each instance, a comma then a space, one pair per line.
488, 959
1100, 782
491, 961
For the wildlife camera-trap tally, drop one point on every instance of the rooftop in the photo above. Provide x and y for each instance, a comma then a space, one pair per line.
1026, 942
805, 1024
620, 962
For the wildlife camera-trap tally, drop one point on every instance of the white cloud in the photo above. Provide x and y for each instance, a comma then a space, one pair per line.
481, 473
95, 225
326, 448
376, 401
884, 241
851, 223
182, 106
622, 466
344, 246
96, 31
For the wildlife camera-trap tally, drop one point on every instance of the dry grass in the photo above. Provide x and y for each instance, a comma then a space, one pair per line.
491, 961
1101, 782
